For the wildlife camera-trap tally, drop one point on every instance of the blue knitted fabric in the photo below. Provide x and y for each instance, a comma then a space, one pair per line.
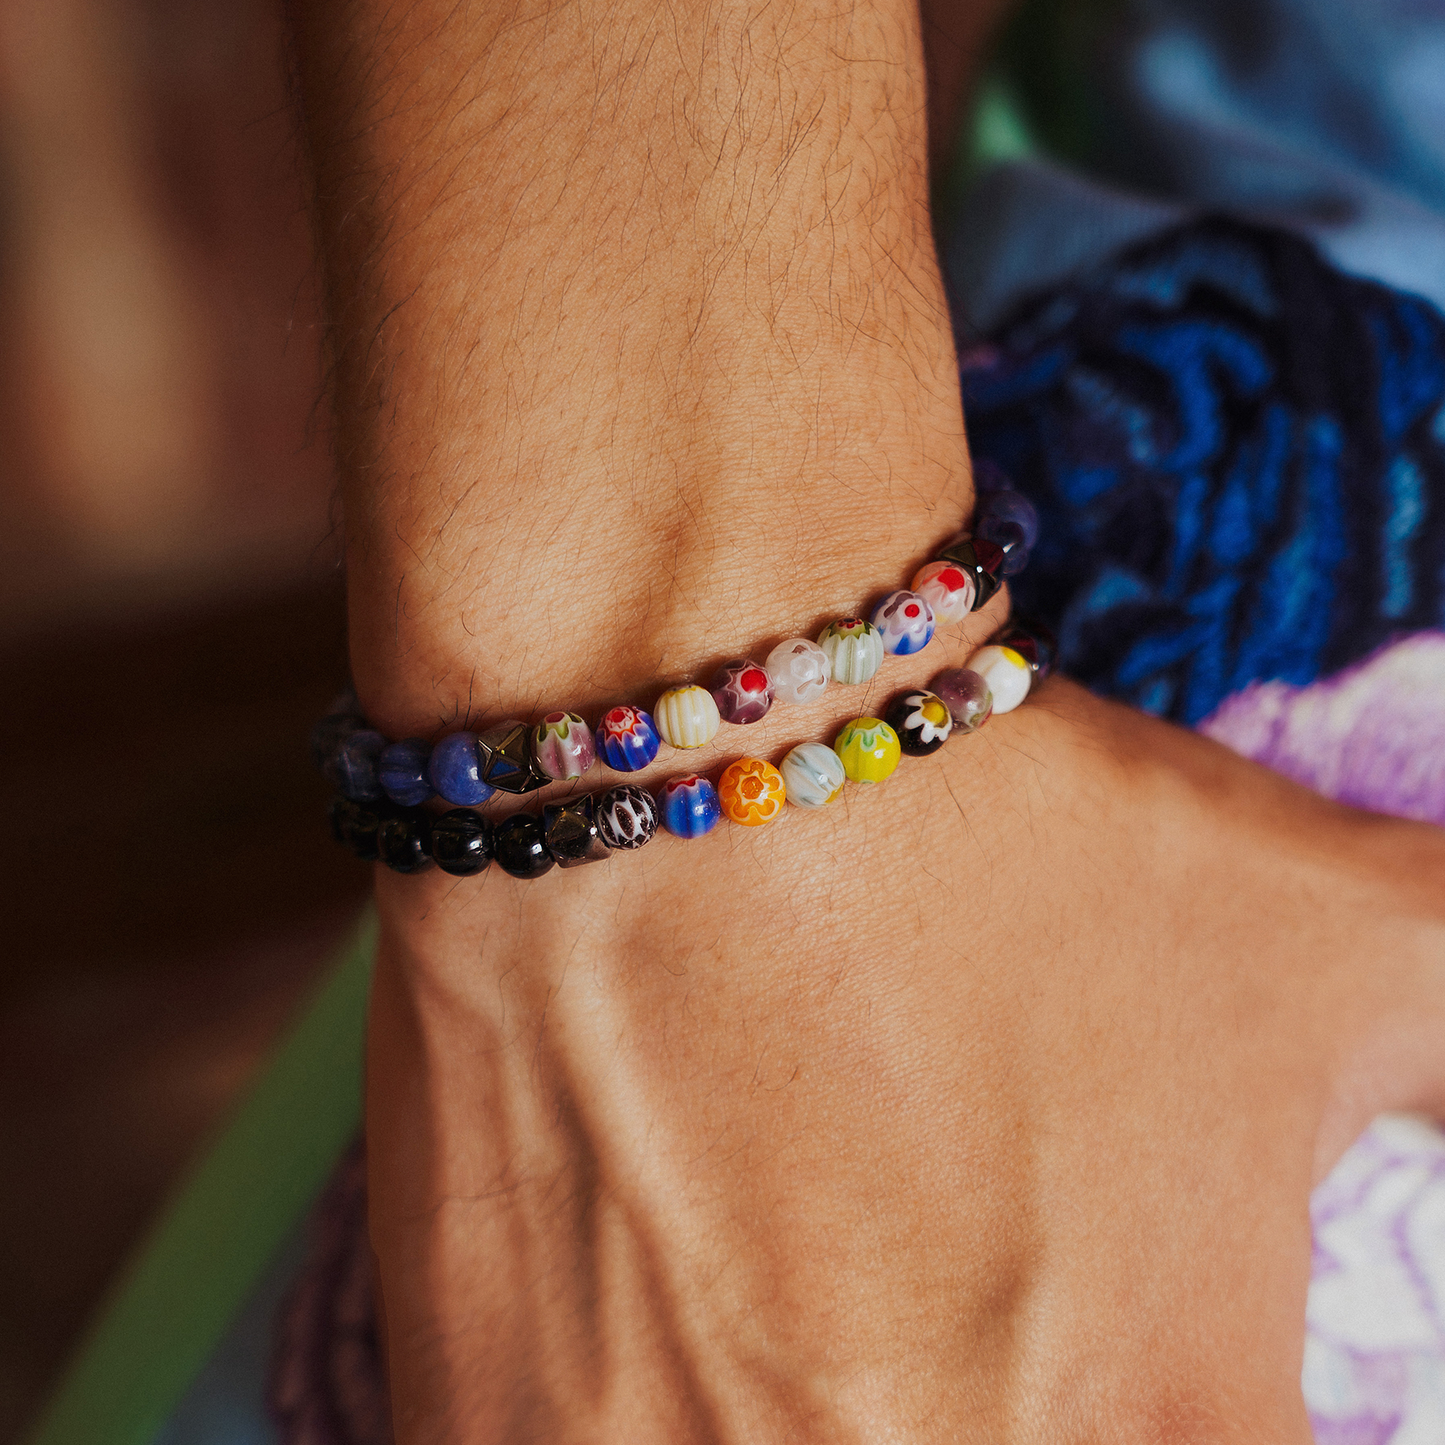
1238, 455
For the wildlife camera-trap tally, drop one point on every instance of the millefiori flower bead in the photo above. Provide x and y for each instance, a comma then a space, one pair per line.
947, 588
742, 691
813, 775
402, 771
562, 746
906, 622
689, 806
455, 770
966, 696
751, 792
982, 560
799, 670
921, 720
506, 753
401, 843
868, 749
570, 832
1034, 643
461, 842
1007, 674
854, 648
520, 847
352, 766
687, 717
626, 816
627, 739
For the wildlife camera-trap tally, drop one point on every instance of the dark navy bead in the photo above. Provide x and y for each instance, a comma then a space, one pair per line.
402, 771
355, 824
1034, 643
520, 847
570, 832
351, 767
1010, 506
461, 842
1008, 537
401, 843
455, 770
506, 753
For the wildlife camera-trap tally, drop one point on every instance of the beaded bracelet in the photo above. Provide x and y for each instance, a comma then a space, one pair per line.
383, 785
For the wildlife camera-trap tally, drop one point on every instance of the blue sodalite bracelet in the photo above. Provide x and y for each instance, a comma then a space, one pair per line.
382, 786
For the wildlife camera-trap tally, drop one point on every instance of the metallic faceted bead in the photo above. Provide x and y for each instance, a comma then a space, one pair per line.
854, 649
813, 775
570, 832
461, 842
1007, 674
868, 749
981, 559
687, 717
921, 720
751, 792
966, 696
627, 816
906, 622
742, 691
519, 846
562, 746
506, 757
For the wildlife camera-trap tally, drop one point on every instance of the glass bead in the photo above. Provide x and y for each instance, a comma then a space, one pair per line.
742, 691
854, 649
402, 771
401, 843
981, 559
1007, 674
689, 806
799, 670
627, 739
1008, 537
1034, 643
355, 825
906, 622
868, 749
813, 775
569, 830
330, 733
506, 754
455, 770
751, 792
921, 720
966, 696
351, 769
520, 846
461, 842
947, 588
1007, 505
562, 746
626, 816
687, 717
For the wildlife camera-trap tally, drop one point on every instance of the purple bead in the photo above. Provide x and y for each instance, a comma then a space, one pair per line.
1009, 537
1010, 506
989, 477
742, 691
455, 770
401, 770
351, 768
966, 695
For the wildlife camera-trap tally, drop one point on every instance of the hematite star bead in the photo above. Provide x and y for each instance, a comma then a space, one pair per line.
506, 757
981, 559
520, 846
355, 824
921, 720
461, 842
570, 832
401, 843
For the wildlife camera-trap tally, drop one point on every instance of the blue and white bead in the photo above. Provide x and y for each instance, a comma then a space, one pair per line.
906, 621
690, 806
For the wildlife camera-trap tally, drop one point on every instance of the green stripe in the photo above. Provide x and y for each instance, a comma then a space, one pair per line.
175, 1299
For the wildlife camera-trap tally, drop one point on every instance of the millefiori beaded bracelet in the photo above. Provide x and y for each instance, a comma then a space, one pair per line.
383, 785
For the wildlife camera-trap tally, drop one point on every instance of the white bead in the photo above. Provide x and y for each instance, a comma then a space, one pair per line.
947, 588
687, 717
1007, 674
798, 669
812, 775
854, 648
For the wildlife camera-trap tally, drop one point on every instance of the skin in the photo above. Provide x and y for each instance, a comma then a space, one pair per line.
981, 1106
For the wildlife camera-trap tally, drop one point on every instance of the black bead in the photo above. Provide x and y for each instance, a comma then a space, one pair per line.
570, 832
401, 843
506, 752
355, 824
982, 560
918, 735
461, 842
520, 846
1034, 643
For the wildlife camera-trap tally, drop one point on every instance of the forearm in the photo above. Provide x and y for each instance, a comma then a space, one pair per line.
641, 353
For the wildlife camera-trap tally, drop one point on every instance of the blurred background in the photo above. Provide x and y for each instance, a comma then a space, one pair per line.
171, 620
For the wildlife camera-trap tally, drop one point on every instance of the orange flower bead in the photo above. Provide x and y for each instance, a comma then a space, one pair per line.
751, 792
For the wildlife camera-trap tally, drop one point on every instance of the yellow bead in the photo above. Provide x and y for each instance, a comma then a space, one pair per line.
687, 717
751, 792
868, 749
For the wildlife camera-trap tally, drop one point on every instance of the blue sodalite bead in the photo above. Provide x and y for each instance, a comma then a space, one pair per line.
690, 806
455, 770
402, 771
1009, 506
351, 768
